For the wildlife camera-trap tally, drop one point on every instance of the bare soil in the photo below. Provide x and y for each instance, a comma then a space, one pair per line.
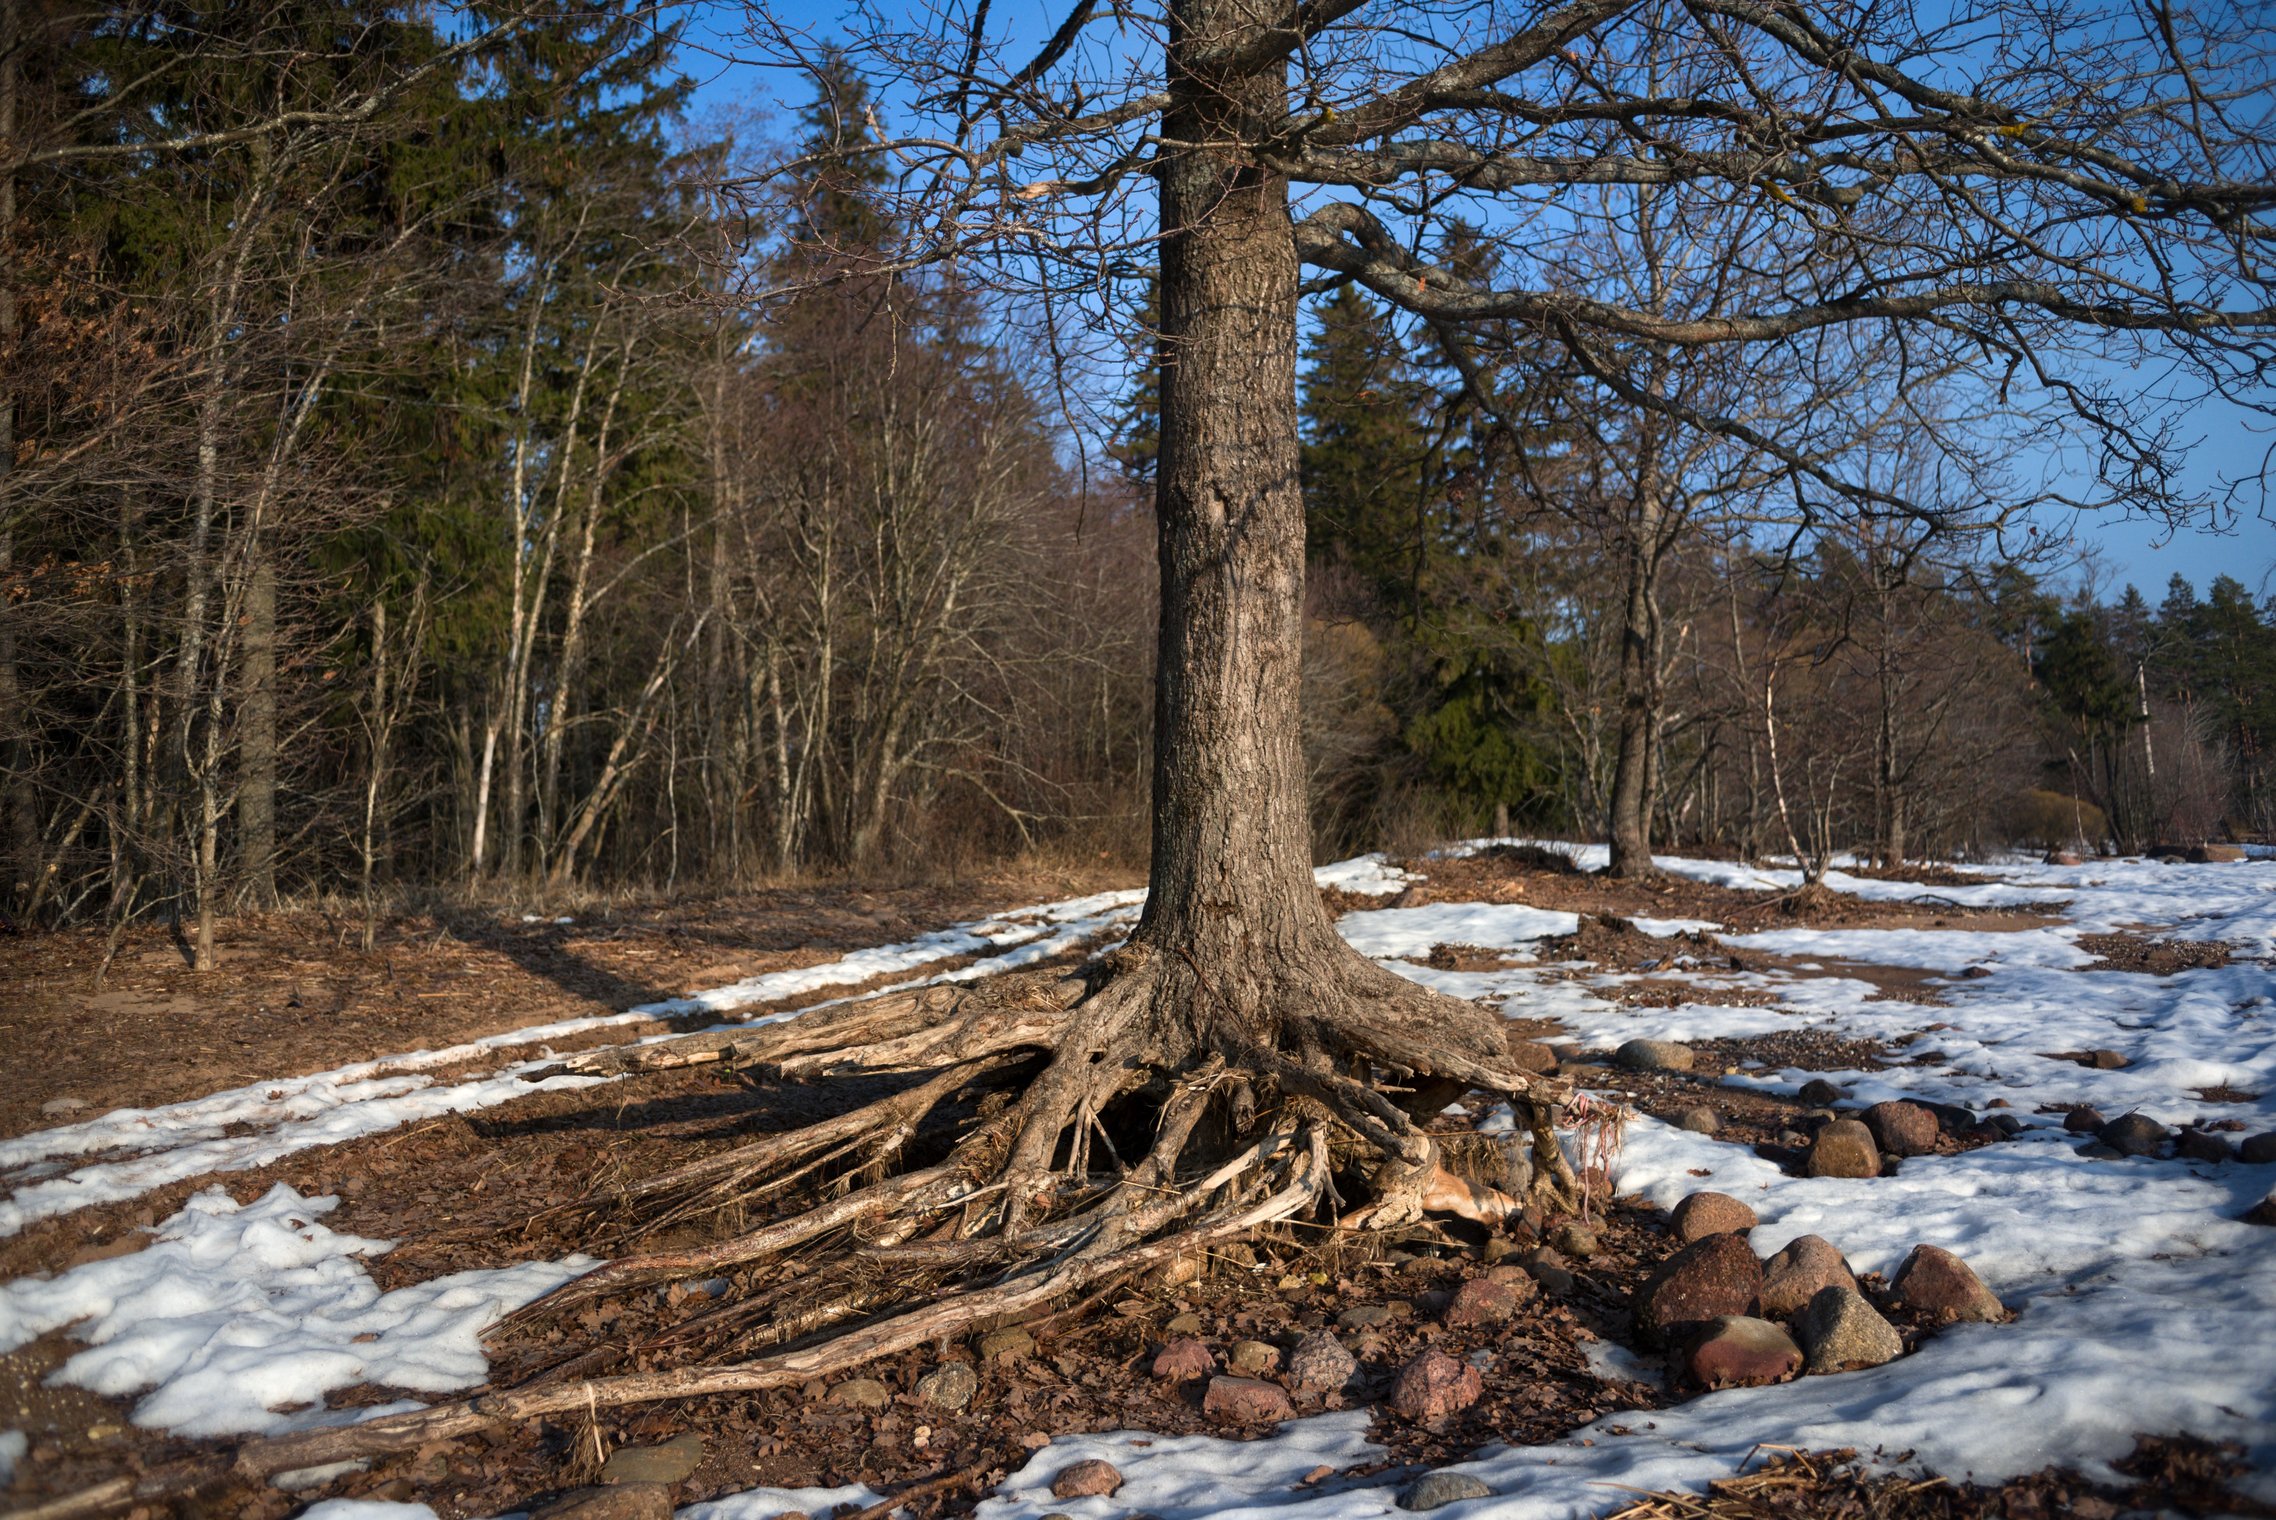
535, 1179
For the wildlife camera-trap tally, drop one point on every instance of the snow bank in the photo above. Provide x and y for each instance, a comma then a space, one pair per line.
237, 1319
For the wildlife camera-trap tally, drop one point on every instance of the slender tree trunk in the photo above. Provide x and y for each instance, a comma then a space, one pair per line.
19, 805
1630, 823
1231, 890
257, 753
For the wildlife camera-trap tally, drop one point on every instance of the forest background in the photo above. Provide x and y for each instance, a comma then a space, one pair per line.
410, 499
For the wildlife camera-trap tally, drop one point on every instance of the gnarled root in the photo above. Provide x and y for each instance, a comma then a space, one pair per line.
1056, 1133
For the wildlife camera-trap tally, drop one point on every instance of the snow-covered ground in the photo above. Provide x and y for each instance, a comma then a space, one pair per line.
2144, 1305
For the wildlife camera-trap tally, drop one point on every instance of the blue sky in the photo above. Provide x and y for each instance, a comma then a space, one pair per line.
2225, 442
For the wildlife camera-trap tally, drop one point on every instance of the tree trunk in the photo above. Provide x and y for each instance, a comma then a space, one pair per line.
257, 753
1630, 823
22, 863
1231, 888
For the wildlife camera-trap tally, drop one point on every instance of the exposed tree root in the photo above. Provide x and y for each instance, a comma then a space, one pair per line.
1056, 1133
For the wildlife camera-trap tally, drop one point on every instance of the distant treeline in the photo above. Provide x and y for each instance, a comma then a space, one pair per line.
397, 499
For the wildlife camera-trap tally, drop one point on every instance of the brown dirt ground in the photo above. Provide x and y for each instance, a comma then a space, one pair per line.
530, 1179
293, 993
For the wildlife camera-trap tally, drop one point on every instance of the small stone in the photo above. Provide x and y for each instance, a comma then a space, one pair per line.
861, 1393
2202, 1145
2132, 1135
1576, 1239
1253, 1358
621, 1501
1320, 1364
2083, 1120
63, 1108
1901, 1129
1839, 1330
1705, 1280
1551, 1278
1707, 1213
1933, 1281
1818, 1092
1844, 1148
2259, 1150
1482, 1301
1435, 1386
1806, 1266
1700, 1120
1654, 1055
672, 1462
1183, 1360
1365, 1316
1187, 1323
1739, 1351
1246, 1401
1432, 1490
2106, 1060
1086, 1479
2009, 1125
1533, 1056
2263, 1212
2096, 1150
1012, 1344
951, 1386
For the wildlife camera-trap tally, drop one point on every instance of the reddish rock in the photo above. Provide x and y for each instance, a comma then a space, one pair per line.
618, 1501
1184, 1359
1482, 1301
1705, 1280
1934, 1282
1705, 1214
1084, 1479
1740, 1352
1902, 1129
1320, 1364
1246, 1401
2083, 1120
1796, 1274
1844, 1148
1435, 1386
1533, 1056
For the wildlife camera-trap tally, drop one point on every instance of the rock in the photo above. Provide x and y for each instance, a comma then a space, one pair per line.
1482, 1301
1806, 1266
1432, 1490
1086, 1479
1320, 1364
2215, 854
1844, 1148
1246, 1401
1183, 1360
2083, 1120
1901, 1129
1706, 1213
1934, 1282
1187, 1323
2132, 1135
1700, 1120
1365, 1316
2105, 1060
2058, 858
2008, 1125
1533, 1056
1576, 1239
1013, 1344
672, 1462
1551, 1278
1738, 1351
950, 1386
2100, 1152
1818, 1092
1654, 1055
1839, 1330
1705, 1280
2259, 1150
1253, 1358
620, 1501
1435, 1386
1175, 1273
62, 1108
2263, 1212
2202, 1145
861, 1393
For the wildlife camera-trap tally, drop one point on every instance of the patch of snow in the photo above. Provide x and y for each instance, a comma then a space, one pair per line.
1364, 876
1409, 933
239, 1319
366, 1509
13, 1445
766, 1503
